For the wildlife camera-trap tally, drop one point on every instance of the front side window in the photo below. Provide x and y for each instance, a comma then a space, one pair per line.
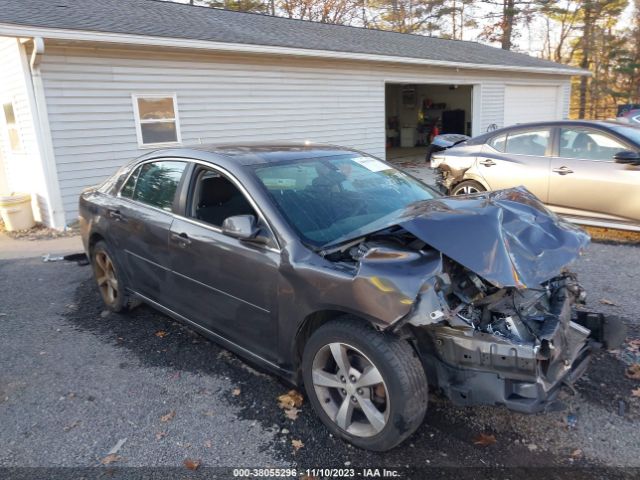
587, 144
12, 127
216, 198
530, 142
328, 200
154, 183
156, 119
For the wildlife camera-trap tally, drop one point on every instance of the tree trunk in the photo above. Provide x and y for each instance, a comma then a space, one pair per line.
508, 17
586, 53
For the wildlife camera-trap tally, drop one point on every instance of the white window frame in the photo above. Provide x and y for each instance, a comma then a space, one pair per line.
139, 121
16, 126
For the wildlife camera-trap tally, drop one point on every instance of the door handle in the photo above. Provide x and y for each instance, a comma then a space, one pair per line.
562, 170
487, 162
182, 239
115, 214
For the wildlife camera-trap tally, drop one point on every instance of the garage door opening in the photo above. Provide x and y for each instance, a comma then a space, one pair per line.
415, 113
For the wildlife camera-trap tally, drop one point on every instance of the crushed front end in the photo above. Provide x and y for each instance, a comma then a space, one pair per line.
500, 346
479, 284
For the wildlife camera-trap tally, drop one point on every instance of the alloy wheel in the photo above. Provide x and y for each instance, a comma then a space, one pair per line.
466, 190
106, 277
350, 389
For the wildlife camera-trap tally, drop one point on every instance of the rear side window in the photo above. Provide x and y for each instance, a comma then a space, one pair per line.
530, 142
498, 143
154, 183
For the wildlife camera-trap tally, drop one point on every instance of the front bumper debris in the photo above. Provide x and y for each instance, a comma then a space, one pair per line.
476, 368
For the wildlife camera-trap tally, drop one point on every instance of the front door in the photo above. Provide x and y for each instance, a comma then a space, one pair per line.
587, 182
519, 157
225, 285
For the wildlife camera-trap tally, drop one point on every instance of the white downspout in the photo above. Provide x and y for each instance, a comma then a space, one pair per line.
43, 134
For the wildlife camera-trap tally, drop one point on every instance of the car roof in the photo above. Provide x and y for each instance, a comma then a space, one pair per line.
555, 123
254, 153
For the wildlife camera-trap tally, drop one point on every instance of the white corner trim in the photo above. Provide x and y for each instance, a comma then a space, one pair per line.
176, 119
121, 38
38, 106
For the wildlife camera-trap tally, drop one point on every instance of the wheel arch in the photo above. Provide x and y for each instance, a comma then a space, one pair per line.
471, 176
94, 238
308, 326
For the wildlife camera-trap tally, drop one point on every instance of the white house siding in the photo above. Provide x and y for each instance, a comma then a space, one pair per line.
225, 98
22, 169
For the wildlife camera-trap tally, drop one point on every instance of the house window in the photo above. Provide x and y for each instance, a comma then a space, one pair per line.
12, 127
156, 119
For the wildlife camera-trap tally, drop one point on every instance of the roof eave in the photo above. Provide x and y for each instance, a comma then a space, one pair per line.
12, 30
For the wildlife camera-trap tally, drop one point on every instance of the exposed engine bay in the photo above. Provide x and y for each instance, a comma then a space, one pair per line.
482, 343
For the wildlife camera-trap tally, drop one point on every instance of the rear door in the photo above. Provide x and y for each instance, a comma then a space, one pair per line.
141, 224
518, 157
587, 182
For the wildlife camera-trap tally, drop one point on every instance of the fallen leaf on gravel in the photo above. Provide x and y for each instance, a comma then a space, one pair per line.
484, 440
291, 399
236, 392
161, 334
168, 417
292, 413
160, 435
604, 301
112, 457
191, 464
577, 453
633, 371
297, 444
635, 392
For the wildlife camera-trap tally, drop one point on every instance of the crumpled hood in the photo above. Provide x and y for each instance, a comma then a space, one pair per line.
507, 237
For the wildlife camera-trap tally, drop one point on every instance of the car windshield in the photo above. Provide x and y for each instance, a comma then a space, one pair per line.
632, 133
333, 199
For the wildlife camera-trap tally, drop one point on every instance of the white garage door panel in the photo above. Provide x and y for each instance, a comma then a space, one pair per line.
530, 103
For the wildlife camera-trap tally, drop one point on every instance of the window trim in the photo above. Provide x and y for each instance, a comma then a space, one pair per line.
601, 131
137, 167
14, 126
548, 153
139, 122
186, 183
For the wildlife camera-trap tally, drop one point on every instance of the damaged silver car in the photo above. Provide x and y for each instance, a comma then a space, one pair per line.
337, 271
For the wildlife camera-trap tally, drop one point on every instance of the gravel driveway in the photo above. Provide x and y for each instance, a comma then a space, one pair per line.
75, 381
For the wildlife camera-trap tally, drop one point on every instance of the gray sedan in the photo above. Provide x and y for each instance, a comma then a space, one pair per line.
334, 270
587, 171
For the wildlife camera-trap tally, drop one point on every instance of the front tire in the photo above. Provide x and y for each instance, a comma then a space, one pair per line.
468, 187
366, 386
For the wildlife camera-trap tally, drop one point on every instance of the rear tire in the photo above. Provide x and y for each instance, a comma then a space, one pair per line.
111, 282
468, 187
382, 399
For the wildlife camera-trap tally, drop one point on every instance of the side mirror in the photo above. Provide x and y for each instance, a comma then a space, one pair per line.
627, 157
242, 227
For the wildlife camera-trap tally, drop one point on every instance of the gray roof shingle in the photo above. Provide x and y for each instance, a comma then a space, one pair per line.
165, 19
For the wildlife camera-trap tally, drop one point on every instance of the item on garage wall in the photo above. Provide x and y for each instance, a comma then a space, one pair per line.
409, 96
453, 121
